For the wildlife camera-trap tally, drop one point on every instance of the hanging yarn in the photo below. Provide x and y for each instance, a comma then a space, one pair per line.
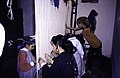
10, 13
66, 1
56, 3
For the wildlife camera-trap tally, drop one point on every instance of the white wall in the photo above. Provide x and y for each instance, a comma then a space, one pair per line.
28, 16
49, 21
105, 21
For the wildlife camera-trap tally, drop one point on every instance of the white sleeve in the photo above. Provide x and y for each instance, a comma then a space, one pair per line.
32, 63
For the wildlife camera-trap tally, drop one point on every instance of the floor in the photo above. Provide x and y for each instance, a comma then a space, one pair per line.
97, 71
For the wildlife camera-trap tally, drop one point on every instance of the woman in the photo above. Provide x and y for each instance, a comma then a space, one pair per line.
64, 65
26, 61
78, 54
95, 50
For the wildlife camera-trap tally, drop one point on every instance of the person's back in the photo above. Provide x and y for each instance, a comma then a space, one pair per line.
91, 38
62, 67
79, 54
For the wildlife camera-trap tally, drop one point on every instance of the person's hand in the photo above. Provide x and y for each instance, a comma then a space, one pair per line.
66, 27
40, 61
34, 61
53, 54
48, 58
66, 31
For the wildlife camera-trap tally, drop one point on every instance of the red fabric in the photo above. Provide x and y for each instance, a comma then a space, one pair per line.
24, 65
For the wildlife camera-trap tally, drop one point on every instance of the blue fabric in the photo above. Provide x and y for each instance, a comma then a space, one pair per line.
31, 72
92, 19
56, 3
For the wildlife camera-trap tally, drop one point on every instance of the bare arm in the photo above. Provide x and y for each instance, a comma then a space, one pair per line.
71, 28
75, 29
49, 60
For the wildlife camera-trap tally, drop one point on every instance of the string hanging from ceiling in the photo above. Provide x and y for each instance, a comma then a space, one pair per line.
10, 12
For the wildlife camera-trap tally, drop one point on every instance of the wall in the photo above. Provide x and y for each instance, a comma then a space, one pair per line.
105, 21
28, 16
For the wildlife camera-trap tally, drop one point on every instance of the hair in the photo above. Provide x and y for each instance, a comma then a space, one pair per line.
28, 40
78, 37
83, 20
25, 40
55, 39
63, 43
67, 36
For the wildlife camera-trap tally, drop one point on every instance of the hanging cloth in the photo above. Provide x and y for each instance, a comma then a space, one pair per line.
92, 19
10, 13
56, 3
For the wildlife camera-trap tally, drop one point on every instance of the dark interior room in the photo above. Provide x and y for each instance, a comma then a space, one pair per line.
19, 25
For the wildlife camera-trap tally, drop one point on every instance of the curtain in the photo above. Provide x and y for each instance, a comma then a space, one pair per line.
116, 45
49, 21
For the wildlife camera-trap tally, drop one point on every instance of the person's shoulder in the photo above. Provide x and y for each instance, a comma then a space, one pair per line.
22, 54
22, 51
